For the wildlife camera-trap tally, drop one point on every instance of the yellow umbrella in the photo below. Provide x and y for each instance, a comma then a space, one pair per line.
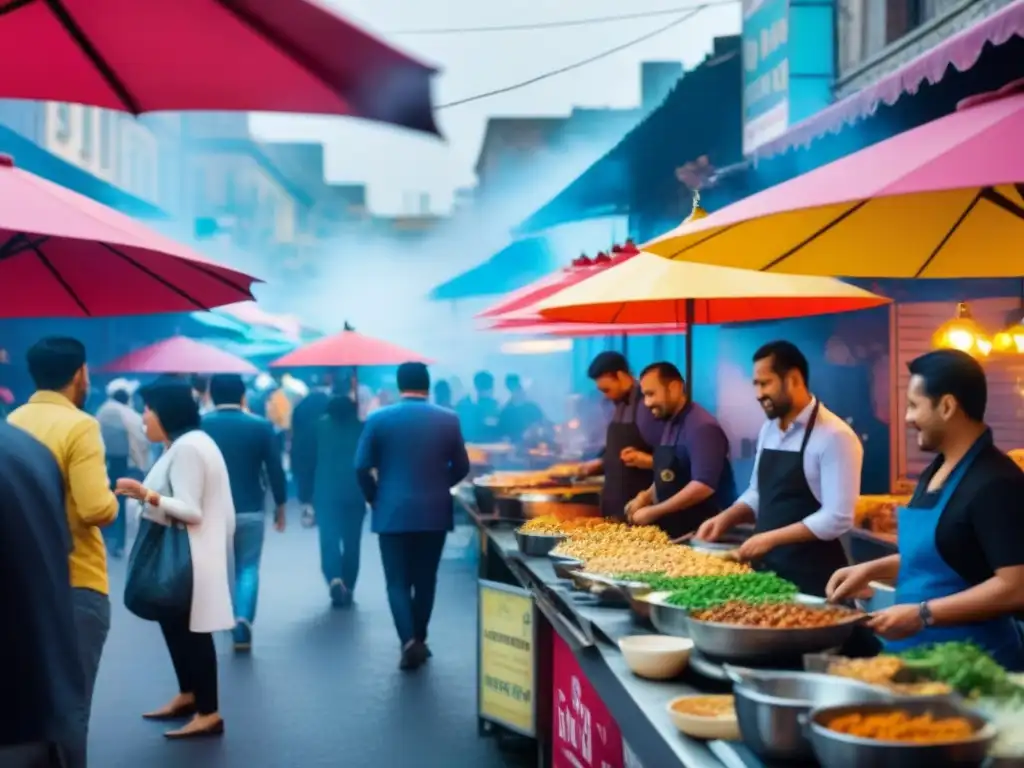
943, 200
650, 290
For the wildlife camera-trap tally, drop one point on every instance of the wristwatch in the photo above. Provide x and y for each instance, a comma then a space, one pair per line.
926, 614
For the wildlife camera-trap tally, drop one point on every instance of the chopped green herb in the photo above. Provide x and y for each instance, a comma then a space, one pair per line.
701, 592
962, 665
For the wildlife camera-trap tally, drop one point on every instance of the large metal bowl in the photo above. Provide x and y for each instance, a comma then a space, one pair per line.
733, 642
667, 619
769, 706
538, 544
838, 750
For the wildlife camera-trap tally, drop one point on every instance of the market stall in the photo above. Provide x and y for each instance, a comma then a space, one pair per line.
555, 663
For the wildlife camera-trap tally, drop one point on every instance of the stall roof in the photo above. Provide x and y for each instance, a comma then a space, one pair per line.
698, 117
960, 52
517, 264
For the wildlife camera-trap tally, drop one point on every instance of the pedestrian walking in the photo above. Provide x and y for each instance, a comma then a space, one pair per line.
409, 457
340, 506
54, 416
189, 486
250, 449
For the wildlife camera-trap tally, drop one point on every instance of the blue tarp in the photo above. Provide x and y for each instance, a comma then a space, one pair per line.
516, 265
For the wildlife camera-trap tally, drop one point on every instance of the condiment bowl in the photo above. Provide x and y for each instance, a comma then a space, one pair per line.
656, 657
840, 750
723, 727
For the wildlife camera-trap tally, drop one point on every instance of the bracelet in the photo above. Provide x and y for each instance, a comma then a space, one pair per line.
149, 498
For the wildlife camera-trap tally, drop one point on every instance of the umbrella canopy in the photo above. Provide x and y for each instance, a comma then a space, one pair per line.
945, 199
64, 255
578, 330
517, 301
650, 290
238, 55
179, 354
348, 349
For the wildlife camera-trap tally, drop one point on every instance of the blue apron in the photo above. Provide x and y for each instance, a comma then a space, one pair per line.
672, 473
925, 576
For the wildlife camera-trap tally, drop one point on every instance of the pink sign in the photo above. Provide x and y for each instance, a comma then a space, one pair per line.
584, 733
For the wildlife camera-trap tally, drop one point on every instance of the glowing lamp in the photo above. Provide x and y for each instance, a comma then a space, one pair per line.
963, 333
1010, 341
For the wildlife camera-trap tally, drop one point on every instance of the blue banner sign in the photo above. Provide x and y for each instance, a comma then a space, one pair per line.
765, 71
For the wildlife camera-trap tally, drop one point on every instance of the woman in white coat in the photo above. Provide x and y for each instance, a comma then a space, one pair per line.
189, 484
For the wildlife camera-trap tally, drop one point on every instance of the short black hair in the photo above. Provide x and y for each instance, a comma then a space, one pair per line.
513, 382
667, 372
443, 390
607, 363
200, 383
785, 357
54, 361
952, 372
413, 377
227, 389
173, 402
483, 381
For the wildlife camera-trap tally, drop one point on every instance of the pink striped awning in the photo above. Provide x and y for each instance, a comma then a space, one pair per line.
960, 51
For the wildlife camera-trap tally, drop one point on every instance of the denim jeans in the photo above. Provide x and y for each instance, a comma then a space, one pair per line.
39, 755
340, 528
250, 528
410, 563
117, 467
92, 624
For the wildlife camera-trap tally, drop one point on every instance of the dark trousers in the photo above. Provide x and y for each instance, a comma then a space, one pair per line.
340, 527
92, 624
117, 467
32, 756
410, 563
195, 662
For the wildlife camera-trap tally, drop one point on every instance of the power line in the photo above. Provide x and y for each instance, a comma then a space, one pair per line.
570, 67
559, 24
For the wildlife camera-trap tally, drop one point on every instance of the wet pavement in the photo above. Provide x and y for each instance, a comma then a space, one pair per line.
321, 688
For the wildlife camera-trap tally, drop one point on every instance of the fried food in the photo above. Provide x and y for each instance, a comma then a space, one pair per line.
774, 615
551, 525
706, 706
880, 670
672, 561
898, 725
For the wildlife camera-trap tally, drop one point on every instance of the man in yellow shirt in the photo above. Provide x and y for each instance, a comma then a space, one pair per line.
54, 417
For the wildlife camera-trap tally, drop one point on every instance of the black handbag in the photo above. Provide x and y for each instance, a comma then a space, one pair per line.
159, 582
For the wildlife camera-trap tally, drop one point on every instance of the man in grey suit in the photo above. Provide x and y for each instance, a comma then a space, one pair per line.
409, 456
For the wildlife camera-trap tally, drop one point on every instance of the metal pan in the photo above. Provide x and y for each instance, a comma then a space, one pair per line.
538, 544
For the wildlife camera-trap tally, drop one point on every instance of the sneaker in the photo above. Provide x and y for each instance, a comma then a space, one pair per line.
242, 636
308, 518
414, 656
340, 596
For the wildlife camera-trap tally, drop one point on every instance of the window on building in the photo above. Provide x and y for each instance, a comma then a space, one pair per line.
106, 139
868, 27
88, 135
63, 122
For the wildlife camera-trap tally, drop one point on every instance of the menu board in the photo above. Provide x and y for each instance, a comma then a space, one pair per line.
507, 657
584, 734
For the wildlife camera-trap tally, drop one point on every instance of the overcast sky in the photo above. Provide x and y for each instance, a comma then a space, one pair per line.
398, 165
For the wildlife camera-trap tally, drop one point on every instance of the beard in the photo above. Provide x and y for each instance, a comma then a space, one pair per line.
80, 395
776, 409
927, 441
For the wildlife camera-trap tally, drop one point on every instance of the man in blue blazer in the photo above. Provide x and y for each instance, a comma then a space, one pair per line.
409, 456
253, 457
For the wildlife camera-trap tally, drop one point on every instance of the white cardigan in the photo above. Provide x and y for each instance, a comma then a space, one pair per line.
192, 480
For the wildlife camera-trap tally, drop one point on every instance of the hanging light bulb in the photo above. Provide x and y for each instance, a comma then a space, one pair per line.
963, 333
697, 213
1010, 340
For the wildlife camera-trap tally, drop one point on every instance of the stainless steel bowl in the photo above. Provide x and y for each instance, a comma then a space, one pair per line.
538, 544
837, 750
769, 706
564, 568
667, 619
732, 642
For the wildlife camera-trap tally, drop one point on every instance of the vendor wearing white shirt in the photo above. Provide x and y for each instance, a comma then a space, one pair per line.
805, 482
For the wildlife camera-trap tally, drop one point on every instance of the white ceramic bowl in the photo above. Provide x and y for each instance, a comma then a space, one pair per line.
656, 657
723, 727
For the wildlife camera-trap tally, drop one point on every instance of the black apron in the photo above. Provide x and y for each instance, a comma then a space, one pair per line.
672, 473
785, 499
622, 483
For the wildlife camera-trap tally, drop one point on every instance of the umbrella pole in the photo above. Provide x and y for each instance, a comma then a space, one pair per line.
689, 344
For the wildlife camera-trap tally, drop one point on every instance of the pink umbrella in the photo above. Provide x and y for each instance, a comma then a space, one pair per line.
347, 349
64, 255
239, 55
180, 354
579, 330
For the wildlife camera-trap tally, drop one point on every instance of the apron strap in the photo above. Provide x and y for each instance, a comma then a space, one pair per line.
638, 397
810, 426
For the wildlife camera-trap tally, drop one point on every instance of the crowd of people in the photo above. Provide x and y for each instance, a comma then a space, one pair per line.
196, 461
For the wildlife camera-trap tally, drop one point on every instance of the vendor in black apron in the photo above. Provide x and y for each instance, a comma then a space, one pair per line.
627, 459
960, 569
806, 478
692, 475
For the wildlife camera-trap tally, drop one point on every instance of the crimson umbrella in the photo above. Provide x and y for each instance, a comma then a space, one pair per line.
64, 255
347, 349
180, 354
238, 55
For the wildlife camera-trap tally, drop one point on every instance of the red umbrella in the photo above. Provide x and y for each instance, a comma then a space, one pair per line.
347, 349
581, 269
64, 255
239, 55
179, 354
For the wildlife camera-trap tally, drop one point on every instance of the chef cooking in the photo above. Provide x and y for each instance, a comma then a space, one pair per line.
805, 482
